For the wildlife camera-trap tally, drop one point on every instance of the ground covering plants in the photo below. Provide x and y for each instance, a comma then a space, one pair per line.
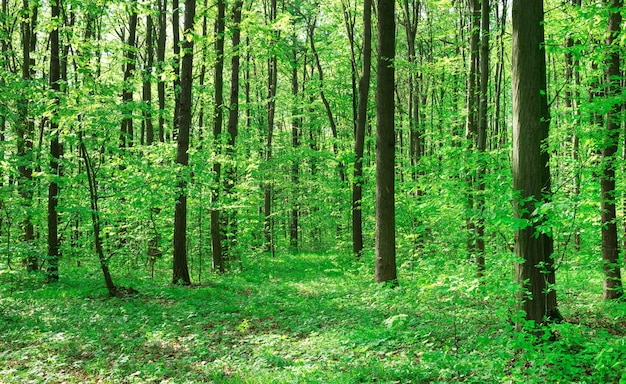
305, 318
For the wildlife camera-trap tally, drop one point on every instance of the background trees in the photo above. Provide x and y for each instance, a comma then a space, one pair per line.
306, 132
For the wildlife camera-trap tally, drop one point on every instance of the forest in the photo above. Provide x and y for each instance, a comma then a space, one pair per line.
289, 191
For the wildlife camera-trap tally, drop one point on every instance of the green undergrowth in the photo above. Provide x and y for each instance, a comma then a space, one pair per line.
303, 318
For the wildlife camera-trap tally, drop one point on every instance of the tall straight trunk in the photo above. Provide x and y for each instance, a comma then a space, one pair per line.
610, 248
52, 271
25, 130
272, 80
481, 139
385, 146
295, 143
180, 269
230, 227
202, 76
147, 82
531, 173
176, 64
499, 122
160, 53
359, 134
218, 87
127, 133
471, 128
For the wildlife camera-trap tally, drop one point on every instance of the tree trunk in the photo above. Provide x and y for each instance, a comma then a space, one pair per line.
218, 86
147, 82
52, 271
531, 174
176, 64
161, 40
127, 133
610, 248
295, 143
272, 80
481, 143
385, 146
180, 268
233, 122
25, 128
359, 134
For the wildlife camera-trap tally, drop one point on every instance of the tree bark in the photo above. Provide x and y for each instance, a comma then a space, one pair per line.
272, 80
147, 82
610, 248
218, 87
359, 134
127, 133
531, 173
25, 128
385, 146
160, 53
180, 268
52, 271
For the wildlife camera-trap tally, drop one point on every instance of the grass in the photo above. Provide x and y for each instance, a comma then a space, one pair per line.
303, 318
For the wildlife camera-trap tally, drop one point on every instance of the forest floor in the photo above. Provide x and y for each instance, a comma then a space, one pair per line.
303, 318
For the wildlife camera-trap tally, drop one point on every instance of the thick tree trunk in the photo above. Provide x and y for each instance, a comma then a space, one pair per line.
610, 248
531, 174
180, 268
52, 271
176, 64
385, 146
218, 87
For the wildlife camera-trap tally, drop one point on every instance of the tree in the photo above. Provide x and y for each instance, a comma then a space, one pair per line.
160, 53
147, 82
385, 146
359, 133
610, 248
25, 128
127, 132
272, 82
55, 147
531, 174
218, 115
180, 268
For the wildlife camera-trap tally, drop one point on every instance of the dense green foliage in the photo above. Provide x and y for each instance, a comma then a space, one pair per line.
303, 318
301, 309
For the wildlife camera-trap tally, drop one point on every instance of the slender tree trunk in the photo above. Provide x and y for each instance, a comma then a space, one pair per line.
610, 248
180, 268
272, 80
25, 131
481, 144
127, 133
327, 108
147, 82
531, 173
161, 40
385, 146
95, 219
359, 134
295, 143
230, 179
55, 148
176, 64
218, 86
471, 130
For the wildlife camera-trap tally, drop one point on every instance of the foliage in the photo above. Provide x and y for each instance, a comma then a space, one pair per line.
301, 318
